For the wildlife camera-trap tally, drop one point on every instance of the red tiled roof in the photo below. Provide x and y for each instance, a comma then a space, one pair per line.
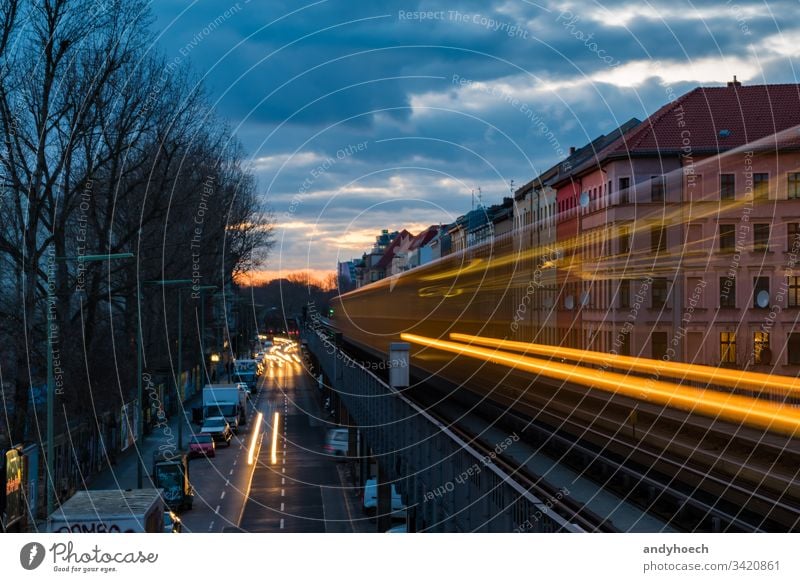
388, 254
424, 237
747, 112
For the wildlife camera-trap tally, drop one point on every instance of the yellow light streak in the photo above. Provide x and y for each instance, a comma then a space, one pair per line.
274, 451
251, 451
738, 379
730, 407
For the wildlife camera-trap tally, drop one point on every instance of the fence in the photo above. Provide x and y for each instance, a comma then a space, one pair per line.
450, 485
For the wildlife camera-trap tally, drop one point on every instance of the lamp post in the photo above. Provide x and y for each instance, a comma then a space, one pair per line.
50, 372
200, 289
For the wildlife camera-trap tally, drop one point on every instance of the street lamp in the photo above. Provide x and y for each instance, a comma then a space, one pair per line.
51, 382
200, 289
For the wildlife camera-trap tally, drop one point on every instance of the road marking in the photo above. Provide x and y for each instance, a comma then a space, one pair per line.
283, 492
222, 496
283, 480
227, 482
281, 505
231, 472
235, 461
210, 526
281, 523
283, 470
217, 510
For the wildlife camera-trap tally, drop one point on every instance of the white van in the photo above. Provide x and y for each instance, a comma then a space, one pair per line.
336, 442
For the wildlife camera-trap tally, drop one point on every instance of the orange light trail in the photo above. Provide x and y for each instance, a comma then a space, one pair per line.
730, 407
753, 381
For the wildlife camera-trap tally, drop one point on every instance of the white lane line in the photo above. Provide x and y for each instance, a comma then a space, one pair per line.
231, 472
281, 523
283, 480
283, 492
210, 526
222, 496
236, 461
281, 505
283, 470
217, 510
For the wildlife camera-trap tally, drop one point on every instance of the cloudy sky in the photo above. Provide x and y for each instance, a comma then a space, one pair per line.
359, 116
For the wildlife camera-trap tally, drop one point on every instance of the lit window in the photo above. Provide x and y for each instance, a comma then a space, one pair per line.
727, 347
761, 353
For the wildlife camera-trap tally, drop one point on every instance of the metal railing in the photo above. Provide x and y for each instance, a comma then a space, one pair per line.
447, 482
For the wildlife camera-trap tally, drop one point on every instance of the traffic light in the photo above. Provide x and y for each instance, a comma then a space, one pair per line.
330, 313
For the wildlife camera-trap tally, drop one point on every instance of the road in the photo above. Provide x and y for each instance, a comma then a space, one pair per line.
291, 485
296, 487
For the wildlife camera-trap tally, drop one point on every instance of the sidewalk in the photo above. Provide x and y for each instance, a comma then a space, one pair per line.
123, 474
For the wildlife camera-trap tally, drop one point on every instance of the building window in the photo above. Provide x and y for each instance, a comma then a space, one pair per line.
793, 285
727, 186
625, 293
727, 292
793, 186
727, 238
658, 239
761, 186
624, 344
657, 188
761, 292
658, 344
761, 237
793, 237
761, 352
793, 348
659, 292
624, 186
624, 240
727, 347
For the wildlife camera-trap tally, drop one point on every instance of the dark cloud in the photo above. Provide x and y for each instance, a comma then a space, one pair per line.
314, 79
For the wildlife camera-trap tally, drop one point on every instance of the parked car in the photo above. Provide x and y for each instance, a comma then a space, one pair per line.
202, 445
244, 389
172, 523
371, 497
336, 442
219, 429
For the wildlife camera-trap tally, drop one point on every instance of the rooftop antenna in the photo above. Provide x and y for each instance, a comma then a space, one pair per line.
511, 186
473, 199
480, 198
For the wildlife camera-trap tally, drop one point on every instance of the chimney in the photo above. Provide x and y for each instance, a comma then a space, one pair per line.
734, 83
571, 150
